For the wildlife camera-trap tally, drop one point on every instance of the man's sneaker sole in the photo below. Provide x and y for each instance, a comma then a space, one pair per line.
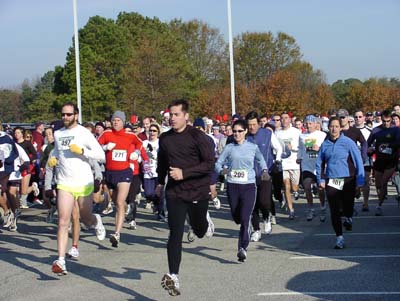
114, 241
56, 269
168, 284
242, 256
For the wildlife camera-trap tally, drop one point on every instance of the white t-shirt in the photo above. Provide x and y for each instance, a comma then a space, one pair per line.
74, 170
152, 154
289, 139
306, 154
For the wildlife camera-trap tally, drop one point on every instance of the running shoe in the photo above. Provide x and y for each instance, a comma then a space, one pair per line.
50, 214
211, 227
73, 253
296, 195
310, 215
8, 219
282, 203
268, 225
128, 210
378, 211
148, 205
59, 268
322, 214
217, 203
339, 242
273, 219
170, 282
132, 225
114, 239
190, 236
222, 187
255, 236
35, 189
1, 215
109, 209
13, 227
291, 214
348, 223
242, 255
23, 204
100, 230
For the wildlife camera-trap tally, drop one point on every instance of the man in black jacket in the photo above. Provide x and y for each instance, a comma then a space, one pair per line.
185, 161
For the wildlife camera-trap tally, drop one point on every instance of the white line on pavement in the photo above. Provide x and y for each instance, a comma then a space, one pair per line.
372, 216
325, 293
370, 233
345, 256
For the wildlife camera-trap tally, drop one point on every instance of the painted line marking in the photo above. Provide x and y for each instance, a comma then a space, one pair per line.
372, 216
345, 256
325, 293
370, 233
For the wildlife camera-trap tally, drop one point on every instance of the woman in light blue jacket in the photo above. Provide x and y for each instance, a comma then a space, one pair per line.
339, 171
237, 162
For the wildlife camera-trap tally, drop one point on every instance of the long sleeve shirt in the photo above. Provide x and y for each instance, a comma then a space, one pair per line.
191, 151
240, 159
335, 156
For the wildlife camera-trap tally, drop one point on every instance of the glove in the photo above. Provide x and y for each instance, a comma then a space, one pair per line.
96, 185
52, 161
109, 146
265, 176
76, 149
134, 155
224, 171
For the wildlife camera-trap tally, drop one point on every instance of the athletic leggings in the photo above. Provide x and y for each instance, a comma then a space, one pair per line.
242, 198
381, 179
263, 203
177, 211
340, 201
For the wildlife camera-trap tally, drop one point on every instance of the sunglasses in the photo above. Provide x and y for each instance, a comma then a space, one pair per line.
387, 121
153, 131
343, 117
238, 131
67, 114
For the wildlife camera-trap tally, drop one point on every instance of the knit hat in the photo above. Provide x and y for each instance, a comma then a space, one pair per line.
120, 115
199, 122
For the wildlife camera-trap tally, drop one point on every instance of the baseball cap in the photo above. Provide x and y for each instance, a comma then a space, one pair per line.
342, 113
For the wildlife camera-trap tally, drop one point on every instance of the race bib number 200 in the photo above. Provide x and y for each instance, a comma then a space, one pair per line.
336, 183
239, 175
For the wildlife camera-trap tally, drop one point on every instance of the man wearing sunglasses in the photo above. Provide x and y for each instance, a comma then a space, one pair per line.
74, 145
384, 141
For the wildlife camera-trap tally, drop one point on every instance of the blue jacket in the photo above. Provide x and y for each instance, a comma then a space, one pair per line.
334, 155
263, 140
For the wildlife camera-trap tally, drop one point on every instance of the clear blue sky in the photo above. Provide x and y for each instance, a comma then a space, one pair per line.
343, 38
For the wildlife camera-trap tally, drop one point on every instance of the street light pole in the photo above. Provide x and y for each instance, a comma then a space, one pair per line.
77, 63
232, 71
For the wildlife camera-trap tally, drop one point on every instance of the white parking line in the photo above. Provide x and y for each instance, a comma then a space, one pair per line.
345, 256
352, 233
326, 293
372, 216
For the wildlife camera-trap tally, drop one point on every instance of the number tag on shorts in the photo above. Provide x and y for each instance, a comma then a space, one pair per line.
119, 155
239, 175
336, 183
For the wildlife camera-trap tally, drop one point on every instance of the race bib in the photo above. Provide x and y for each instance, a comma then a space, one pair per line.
336, 183
119, 155
239, 175
65, 142
312, 155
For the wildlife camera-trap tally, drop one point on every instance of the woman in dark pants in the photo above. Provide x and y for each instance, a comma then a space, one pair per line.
334, 175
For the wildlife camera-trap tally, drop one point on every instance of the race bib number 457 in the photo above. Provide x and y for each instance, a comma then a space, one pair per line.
336, 183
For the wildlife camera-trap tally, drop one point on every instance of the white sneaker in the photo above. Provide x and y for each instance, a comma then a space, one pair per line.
109, 209
170, 282
73, 253
100, 230
128, 210
132, 225
8, 219
217, 203
211, 227
35, 188
190, 236
59, 268
114, 239
255, 236
273, 219
267, 226
339, 242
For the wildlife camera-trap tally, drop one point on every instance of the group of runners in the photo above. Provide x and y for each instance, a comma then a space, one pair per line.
258, 158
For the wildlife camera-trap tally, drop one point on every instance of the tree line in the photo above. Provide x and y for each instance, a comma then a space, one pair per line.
138, 64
